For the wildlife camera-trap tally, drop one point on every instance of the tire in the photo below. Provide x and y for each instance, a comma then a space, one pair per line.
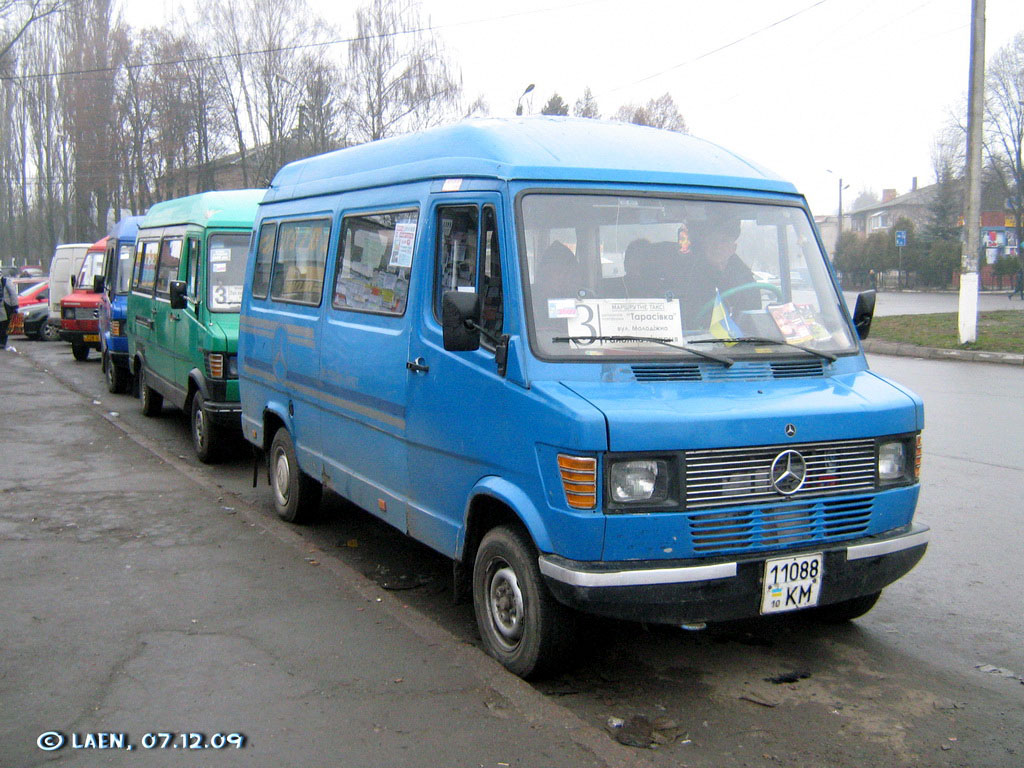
520, 622
151, 401
296, 494
115, 375
80, 351
206, 436
847, 610
48, 332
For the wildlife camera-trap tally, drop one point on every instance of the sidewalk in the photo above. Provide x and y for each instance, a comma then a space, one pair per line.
137, 601
902, 349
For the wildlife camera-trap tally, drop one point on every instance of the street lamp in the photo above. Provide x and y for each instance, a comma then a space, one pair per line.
839, 218
519, 104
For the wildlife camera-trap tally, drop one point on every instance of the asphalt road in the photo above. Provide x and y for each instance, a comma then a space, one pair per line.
929, 677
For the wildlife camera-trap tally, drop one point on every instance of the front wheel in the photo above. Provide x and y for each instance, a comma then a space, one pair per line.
80, 351
48, 332
296, 494
205, 434
116, 376
520, 622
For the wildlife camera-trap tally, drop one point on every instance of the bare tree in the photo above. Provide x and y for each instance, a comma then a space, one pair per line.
1004, 108
17, 16
661, 112
399, 78
321, 125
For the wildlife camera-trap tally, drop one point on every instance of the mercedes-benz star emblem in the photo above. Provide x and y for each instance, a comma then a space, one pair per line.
790, 430
789, 471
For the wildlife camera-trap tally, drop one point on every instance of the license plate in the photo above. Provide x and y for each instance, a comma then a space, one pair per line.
791, 583
92, 337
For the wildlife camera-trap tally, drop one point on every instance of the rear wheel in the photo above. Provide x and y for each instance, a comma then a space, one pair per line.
205, 434
520, 622
80, 351
152, 402
296, 494
847, 610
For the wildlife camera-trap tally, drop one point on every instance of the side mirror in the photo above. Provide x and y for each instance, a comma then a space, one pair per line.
460, 309
72, 280
98, 284
177, 291
863, 313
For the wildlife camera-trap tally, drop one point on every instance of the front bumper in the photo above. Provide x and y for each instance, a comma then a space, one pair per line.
89, 337
722, 589
224, 413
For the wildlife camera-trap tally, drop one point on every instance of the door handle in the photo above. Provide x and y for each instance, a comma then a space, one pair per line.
419, 365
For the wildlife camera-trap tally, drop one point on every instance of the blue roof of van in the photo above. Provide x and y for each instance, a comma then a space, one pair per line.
530, 148
126, 228
231, 208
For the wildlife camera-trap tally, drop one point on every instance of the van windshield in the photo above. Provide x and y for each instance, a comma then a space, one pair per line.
92, 265
630, 276
227, 255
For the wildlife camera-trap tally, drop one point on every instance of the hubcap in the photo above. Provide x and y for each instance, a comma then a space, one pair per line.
199, 425
505, 604
281, 475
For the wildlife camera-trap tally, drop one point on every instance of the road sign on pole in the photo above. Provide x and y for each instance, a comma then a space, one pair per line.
901, 238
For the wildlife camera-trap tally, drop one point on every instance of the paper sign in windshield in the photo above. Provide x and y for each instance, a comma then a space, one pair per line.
798, 323
604, 319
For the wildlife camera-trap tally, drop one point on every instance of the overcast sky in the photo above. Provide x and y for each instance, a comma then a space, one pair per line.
858, 87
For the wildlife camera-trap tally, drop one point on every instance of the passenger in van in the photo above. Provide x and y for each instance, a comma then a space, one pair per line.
557, 273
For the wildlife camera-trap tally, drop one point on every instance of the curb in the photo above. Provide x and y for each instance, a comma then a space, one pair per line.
902, 349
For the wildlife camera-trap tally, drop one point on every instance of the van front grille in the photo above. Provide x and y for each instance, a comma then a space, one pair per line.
729, 477
776, 526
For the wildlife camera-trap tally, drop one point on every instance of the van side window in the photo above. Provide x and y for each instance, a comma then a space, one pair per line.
264, 261
457, 230
491, 300
375, 262
145, 265
192, 268
301, 256
167, 269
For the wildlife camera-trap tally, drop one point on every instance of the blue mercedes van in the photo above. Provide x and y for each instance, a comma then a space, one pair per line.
117, 273
600, 366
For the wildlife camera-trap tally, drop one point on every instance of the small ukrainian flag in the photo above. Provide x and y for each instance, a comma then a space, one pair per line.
722, 325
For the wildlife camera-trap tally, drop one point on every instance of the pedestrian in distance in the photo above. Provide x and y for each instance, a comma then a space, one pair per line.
1018, 284
8, 309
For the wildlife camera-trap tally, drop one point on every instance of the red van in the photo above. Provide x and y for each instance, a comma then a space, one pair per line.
80, 309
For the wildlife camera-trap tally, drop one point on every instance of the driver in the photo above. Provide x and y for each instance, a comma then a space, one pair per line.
714, 266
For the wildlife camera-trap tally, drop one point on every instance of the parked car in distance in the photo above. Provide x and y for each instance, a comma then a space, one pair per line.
182, 316
65, 261
79, 310
117, 275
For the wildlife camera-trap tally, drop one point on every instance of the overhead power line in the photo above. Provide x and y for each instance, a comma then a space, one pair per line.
282, 49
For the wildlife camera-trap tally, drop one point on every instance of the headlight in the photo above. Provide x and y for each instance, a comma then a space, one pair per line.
638, 480
892, 461
232, 366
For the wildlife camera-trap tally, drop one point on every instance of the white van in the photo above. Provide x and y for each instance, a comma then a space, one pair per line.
65, 262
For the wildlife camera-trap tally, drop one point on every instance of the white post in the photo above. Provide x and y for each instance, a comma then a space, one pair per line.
968, 310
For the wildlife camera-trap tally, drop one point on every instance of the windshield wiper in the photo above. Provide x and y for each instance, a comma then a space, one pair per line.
765, 340
726, 361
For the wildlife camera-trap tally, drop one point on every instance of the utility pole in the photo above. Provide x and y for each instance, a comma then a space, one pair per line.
968, 310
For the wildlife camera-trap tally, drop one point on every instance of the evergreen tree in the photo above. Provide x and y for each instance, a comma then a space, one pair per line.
555, 106
586, 105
